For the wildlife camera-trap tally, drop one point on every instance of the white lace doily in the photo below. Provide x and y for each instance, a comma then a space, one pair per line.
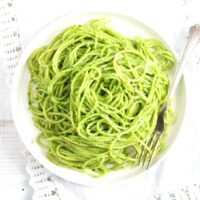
189, 192
10, 42
10, 49
41, 180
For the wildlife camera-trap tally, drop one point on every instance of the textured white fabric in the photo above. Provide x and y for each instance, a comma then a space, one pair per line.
10, 42
10, 49
41, 180
169, 180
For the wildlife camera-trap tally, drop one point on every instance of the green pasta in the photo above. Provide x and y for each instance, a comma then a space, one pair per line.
95, 95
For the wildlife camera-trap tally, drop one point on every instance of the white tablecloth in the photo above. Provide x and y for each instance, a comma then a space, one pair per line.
171, 19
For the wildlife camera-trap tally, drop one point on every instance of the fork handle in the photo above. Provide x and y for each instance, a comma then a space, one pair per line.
193, 38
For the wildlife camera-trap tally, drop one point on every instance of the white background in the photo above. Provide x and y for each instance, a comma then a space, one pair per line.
171, 18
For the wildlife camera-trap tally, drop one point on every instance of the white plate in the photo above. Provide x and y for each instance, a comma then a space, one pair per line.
22, 117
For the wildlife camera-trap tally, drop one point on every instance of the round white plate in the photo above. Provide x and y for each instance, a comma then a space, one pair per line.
22, 117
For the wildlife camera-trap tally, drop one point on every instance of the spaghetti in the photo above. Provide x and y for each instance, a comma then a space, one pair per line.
95, 95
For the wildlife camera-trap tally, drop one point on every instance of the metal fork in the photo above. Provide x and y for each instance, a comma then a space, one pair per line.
153, 141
